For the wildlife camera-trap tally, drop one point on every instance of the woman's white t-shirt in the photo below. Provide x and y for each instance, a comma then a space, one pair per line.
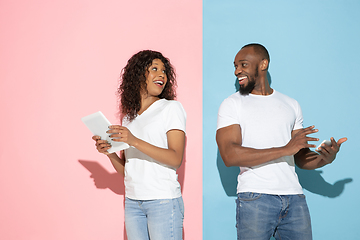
145, 178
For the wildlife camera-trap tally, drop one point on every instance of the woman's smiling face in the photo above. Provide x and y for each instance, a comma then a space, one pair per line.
155, 78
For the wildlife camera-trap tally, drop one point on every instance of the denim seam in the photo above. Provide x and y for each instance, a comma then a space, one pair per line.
172, 220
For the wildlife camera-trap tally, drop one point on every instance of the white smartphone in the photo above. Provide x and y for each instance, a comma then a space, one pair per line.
327, 142
98, 124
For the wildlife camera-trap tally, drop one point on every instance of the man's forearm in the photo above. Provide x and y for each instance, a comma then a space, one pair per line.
236, 155
309, 160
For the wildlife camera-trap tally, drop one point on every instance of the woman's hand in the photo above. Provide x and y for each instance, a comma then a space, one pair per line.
122, 134
101, 145
171, 156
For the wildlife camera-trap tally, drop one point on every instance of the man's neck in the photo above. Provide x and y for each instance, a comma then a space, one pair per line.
262, 87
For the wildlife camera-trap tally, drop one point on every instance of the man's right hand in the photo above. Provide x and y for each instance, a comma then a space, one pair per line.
299, 140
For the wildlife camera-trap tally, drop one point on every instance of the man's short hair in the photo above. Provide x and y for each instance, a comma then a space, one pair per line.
259, 49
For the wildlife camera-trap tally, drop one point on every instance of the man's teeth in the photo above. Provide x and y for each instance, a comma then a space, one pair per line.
241, 78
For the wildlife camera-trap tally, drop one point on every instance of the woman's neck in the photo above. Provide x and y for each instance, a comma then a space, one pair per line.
146, 102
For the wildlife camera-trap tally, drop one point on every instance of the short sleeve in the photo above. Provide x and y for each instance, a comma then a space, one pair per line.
227, 114
299, 118
175, 117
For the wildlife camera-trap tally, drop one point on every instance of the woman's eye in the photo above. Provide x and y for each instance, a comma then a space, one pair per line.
163, 71
154, 69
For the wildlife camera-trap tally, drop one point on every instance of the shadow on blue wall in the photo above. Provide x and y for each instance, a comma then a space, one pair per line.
228, 176
311, 180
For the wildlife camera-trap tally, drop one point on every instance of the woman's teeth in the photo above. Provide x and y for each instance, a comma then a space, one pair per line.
159, 82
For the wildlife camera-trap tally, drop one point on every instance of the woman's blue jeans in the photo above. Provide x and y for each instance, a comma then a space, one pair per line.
154, 219
260, 216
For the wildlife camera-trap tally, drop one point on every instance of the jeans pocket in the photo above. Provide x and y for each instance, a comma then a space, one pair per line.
301, 196
180, 203
248, 196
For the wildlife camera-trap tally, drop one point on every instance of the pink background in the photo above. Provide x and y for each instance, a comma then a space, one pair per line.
60, 61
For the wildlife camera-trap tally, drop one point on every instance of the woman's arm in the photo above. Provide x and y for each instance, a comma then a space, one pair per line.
172, 156
118, 162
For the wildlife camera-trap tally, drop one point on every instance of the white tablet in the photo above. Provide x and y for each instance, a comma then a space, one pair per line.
98, 125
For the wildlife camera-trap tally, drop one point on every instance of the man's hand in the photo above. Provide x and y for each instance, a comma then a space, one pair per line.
300, 140
328, 152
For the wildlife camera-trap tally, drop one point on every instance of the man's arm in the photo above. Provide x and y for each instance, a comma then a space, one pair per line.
232, 152
307, 159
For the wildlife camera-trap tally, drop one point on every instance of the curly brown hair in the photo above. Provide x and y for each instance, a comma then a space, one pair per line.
133, 80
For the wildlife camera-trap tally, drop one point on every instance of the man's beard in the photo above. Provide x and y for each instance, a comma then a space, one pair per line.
245, 90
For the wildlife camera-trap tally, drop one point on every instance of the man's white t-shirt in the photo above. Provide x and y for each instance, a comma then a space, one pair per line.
266, 122
145, 178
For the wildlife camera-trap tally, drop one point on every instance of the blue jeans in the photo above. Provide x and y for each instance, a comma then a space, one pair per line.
154, 219
260, 216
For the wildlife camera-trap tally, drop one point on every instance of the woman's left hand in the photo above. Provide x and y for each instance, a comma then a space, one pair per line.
121, 134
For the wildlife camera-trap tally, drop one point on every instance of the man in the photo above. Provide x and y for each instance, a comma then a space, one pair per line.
261, 131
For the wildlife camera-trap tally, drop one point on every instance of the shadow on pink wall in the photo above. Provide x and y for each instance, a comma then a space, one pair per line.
104, 179
115, 182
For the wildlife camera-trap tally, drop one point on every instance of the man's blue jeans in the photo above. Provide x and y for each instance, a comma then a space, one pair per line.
260, 216
154, 219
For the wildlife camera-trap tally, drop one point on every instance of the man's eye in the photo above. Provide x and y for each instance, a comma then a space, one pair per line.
244, 64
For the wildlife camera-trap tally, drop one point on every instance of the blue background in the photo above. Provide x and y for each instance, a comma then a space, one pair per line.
315, 56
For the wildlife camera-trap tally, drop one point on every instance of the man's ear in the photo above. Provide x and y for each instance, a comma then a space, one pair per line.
264, 64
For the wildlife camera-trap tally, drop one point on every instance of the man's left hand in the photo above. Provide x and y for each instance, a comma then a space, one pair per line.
329, 151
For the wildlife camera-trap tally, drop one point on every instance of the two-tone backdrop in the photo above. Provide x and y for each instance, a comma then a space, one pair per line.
61, 60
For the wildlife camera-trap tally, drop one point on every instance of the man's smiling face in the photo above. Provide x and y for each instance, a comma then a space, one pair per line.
246, 65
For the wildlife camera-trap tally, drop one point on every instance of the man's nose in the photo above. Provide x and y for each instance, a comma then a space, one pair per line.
238, 70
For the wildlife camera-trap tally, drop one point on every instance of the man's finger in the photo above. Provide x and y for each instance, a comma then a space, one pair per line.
341, 141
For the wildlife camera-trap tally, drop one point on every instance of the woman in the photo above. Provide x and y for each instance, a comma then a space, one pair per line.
154, 126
